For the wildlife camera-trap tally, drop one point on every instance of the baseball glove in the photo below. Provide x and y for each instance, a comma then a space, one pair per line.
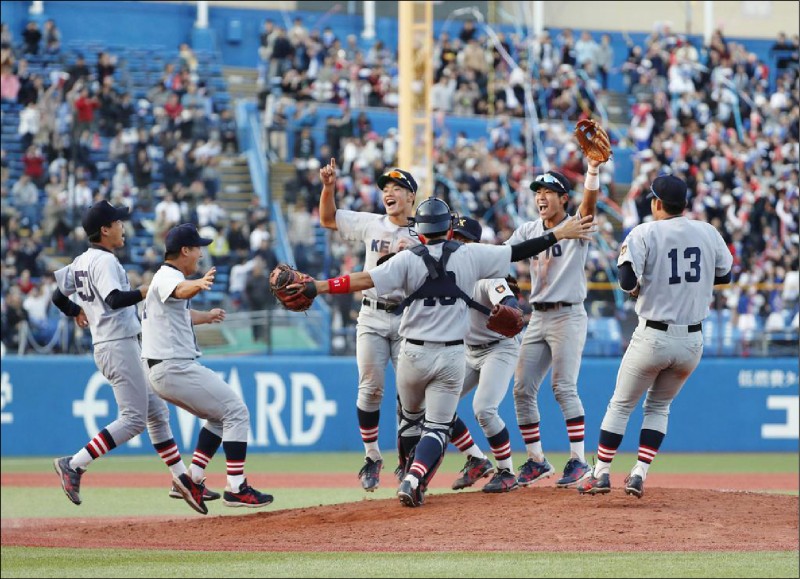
505, 320
293, 299
593, 140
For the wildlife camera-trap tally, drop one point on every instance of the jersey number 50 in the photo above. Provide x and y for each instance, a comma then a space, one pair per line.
693, 275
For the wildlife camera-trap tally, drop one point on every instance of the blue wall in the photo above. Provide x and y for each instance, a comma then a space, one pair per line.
52, 405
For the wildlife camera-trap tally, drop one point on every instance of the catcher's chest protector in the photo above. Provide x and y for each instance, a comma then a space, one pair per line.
440, 286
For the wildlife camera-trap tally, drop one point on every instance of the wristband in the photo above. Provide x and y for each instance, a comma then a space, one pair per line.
339, 285
592, 181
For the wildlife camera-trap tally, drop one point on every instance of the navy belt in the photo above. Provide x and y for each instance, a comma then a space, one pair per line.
422, 343
664, 327
544, 306
388, 308
482, 346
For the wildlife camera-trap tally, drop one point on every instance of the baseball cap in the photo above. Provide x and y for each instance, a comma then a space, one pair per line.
469, 228
184, 235
402, 178
669, 189
102, 214
552, 180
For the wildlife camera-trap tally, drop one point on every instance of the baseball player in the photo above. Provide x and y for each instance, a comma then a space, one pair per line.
170, 351
377, 337
671, 264
107, 305
557, 328
435, 278
491, 359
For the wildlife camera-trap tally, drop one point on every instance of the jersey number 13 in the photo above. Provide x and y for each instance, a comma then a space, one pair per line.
692, 272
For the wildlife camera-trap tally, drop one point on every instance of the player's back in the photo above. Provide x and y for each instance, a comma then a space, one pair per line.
678, 259
92, 276
441, 319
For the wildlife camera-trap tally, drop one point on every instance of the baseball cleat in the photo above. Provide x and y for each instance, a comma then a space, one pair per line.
409, 496
474, 470
532, 471
208, 494
502, 482
574, 472
191, 492
370, 474
70, 478
246, 497
595, 486
634, 485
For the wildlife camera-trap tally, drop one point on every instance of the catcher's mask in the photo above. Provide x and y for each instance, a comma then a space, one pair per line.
433, 217
552, 180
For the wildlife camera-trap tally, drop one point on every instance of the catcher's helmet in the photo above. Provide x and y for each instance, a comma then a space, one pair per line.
433, 217
552, 180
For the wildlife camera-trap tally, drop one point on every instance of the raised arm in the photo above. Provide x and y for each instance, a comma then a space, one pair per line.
189, 288
327, 199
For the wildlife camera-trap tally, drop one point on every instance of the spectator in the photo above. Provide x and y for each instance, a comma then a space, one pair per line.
26, 199
85, 105
257, 298
238, 240
227, 131
52, 37
122, 183
13, 317
258, 234
29, 124
32, 37
9, 84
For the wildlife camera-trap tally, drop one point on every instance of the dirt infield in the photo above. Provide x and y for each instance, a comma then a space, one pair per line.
674, 515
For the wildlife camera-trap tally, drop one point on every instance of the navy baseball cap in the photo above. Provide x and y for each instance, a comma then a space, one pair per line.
554, 181
469, 228
184, 235
402, 178
103, 214
670, 189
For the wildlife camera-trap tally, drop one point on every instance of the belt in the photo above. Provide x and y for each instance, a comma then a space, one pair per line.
421, 343
664, 327
544, 306
482, 346
388, 308
151, 363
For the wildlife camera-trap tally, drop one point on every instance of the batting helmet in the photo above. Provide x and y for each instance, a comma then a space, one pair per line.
433, 217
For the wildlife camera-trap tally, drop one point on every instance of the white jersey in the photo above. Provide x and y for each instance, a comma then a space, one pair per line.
675, 261
557, 273
167, 331
380, 236
442, 319
92, 276
487, 292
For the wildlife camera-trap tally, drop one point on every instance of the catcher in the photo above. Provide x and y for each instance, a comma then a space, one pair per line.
557, 328
435, 277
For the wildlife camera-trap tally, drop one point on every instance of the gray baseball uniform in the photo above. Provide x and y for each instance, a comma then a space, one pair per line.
377, 329
92, 276
675, 261
557, 328
170, 346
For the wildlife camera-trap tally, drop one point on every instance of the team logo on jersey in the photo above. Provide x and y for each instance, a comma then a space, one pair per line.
500, 289
623, 249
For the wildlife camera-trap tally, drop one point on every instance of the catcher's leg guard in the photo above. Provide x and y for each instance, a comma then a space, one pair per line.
408, 435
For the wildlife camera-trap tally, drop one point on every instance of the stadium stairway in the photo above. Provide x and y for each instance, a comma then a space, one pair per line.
236, 188
279, 174
241, 82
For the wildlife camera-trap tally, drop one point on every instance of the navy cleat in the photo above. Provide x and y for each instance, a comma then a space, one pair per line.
574, 472
532, 471
634, 485
595, 486
474, 470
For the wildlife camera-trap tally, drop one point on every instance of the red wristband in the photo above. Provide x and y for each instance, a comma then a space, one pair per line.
339, 285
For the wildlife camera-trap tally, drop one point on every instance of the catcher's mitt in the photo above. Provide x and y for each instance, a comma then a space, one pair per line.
505, 320
293, 299
593, 140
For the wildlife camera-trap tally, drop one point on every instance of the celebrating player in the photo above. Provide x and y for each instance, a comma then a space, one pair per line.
108, 308
671, 264
377, 337
557, 329
170, 348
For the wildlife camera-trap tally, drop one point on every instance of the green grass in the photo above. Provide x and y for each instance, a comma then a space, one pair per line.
29, 562
351, 462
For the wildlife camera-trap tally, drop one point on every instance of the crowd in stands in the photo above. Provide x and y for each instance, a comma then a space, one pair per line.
709, 114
